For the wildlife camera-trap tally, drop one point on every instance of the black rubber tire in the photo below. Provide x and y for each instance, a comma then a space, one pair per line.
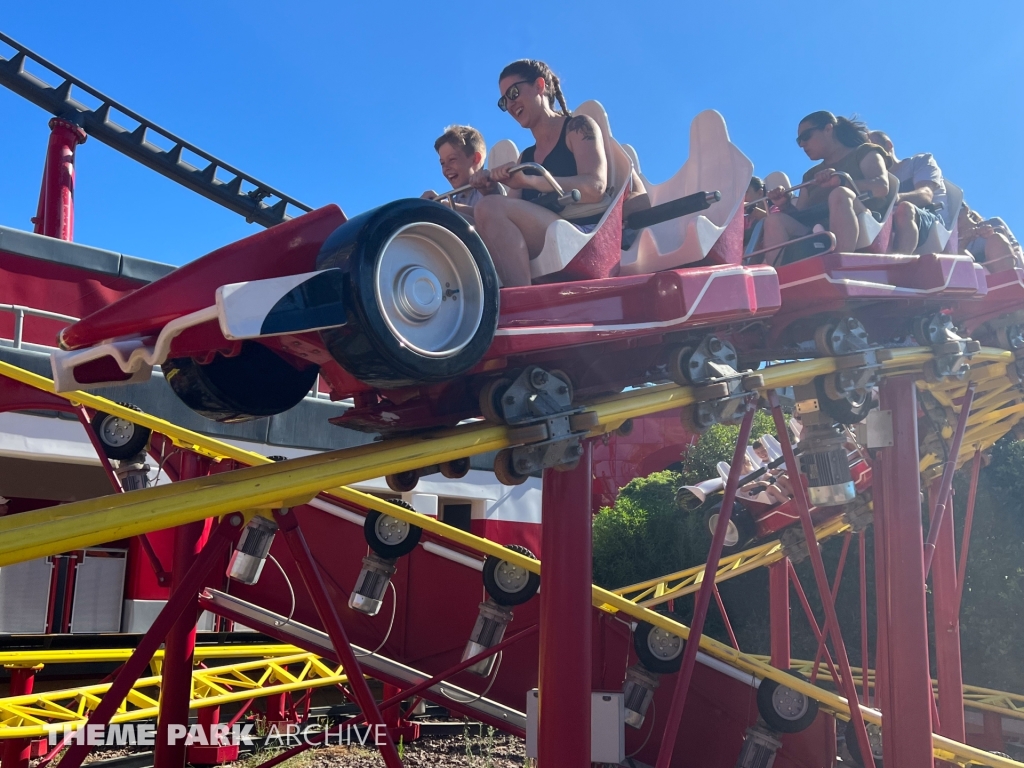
135, 437
502, 596
844, 410
647, 657
254, 384
365, 346
853, 747
383, 548
741, 521
793, 722
455, 469
403, 482
504, 470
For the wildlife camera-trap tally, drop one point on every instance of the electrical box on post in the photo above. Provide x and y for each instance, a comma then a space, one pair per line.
607, 726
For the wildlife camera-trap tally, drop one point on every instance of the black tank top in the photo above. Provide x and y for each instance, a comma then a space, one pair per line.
559, 162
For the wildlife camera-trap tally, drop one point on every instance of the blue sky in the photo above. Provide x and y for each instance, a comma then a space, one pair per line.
340, 102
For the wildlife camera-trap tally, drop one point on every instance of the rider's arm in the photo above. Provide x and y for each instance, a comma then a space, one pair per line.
586, 143
876, 178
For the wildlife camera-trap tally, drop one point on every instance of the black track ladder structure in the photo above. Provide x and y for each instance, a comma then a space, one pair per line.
258, 202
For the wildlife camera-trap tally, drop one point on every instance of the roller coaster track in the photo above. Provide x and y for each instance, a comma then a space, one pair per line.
35, 715
266, 485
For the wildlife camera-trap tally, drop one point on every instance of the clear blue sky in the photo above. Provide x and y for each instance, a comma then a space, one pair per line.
340, 102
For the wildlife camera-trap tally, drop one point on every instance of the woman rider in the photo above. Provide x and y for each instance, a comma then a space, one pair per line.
570, 147
841, 145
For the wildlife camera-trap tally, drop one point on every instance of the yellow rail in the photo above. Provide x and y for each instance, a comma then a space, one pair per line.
35, 715
33, 658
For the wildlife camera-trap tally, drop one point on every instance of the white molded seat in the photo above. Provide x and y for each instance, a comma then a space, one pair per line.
939, 237
505, 151
563, 241
871, 228
714, 164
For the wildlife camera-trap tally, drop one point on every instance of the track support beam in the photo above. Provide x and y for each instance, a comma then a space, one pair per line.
563, 735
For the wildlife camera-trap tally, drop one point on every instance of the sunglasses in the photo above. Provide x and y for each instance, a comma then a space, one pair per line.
803, 137
511, 94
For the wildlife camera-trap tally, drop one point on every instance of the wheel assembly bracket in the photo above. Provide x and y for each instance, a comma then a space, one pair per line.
952, 351
721, 401
794, 544
538, 408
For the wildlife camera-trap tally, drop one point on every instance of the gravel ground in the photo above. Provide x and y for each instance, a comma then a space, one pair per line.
496, 751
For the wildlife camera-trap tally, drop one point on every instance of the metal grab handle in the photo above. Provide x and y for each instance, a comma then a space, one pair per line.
800, 239
844, 176
564, 198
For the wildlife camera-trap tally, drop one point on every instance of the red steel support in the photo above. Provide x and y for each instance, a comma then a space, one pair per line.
325, 609
815, 629
947, 628
778, 608
563, 736
907, 700
399, 727
821, 578
725, 619
965, 540
176, 688
18, 752
181, 601
943, 501
55, 215
835, 593
703, 599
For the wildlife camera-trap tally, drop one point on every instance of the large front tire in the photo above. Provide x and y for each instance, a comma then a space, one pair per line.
421, 294
253, 384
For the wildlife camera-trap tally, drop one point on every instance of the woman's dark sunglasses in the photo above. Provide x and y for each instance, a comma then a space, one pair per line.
511, 94
803, 137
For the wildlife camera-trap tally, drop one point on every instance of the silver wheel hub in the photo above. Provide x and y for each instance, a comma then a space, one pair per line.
391, 530
789, 704
419, 293
664, 645
429, 290
732, 533
511, 578
117, 432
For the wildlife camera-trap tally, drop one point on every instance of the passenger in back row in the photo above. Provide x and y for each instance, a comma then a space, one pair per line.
922, 196
841, 145
462, 152
570, 147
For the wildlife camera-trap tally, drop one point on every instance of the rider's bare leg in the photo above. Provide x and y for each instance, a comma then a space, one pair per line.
843, 208
779, 228
513, 231
904, 227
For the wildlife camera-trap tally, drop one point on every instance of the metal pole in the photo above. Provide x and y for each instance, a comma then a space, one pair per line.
332, 623
965, 540
815, 629
902, 611
835, 593
947, 629
18, 752
181, 600
563, 736
703, 599
725, 619
56, 214
942, 501
821, 578
778, 608
176, 686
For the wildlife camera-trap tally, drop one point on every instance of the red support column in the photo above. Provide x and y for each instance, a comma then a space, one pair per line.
907, 702
778, 609
181, 601
400, 728
865, 663
55, 216
176, 685
703, 599
325, 609
947, 627
18, 752
563, 737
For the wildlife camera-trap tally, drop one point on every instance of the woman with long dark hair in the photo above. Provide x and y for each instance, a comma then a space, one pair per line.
841, 145
570, 147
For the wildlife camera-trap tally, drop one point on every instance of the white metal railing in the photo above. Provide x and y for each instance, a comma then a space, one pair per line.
20, 313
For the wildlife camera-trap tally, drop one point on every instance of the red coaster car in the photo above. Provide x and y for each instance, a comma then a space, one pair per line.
399, 308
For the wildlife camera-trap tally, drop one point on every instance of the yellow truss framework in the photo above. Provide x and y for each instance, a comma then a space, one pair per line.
259, 489
35, 715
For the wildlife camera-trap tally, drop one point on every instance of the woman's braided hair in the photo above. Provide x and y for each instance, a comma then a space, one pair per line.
531, 69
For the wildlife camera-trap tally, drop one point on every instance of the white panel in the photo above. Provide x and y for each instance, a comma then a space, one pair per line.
607, 727
424, 503
139, 615
25, 597
99, 586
